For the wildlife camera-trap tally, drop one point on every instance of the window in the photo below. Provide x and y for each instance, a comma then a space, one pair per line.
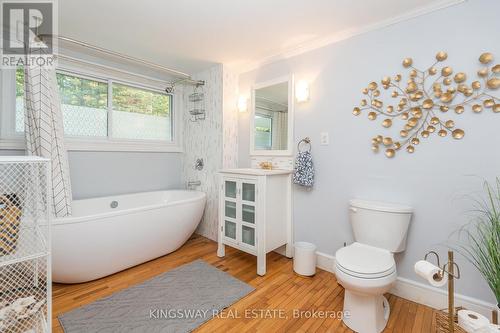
263, 132
129, 115
140, 114
19, 101
84, 105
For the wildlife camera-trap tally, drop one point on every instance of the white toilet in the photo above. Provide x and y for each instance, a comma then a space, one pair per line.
366, 268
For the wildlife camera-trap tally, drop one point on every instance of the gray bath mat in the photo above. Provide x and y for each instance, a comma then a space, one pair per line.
177, 301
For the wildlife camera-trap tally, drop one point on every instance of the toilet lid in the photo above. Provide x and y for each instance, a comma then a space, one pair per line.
365, 260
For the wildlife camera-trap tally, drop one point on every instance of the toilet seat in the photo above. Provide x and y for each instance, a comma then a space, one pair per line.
365, 262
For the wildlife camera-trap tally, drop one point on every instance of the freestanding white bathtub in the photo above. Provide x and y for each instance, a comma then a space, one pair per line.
99, 240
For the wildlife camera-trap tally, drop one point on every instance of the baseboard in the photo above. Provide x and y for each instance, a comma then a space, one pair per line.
438, 298
325, 261
418, 292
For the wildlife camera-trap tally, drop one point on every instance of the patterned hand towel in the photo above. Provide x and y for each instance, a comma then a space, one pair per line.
304, 169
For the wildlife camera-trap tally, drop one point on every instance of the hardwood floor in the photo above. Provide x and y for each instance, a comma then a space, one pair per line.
280, 289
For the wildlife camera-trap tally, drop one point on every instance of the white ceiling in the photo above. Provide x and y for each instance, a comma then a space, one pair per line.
277, 93
191, 35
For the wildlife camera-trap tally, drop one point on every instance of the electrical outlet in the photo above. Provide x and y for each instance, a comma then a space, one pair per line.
325, 138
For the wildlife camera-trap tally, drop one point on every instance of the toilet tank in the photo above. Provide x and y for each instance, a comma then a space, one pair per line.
380, 224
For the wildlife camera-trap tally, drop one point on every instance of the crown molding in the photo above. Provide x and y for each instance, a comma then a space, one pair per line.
343, 35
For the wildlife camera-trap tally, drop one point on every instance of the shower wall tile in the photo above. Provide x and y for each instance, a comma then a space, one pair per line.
230, 119
203, 139
214, 139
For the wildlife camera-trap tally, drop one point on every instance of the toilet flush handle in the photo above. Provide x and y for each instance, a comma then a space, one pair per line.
354, 210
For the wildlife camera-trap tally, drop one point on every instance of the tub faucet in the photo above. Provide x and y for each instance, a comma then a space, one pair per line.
192, 184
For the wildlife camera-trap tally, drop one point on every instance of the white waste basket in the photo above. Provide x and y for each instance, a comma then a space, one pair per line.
304, 258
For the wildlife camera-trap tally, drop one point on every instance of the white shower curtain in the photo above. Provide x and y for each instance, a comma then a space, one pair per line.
280, 129
44, 131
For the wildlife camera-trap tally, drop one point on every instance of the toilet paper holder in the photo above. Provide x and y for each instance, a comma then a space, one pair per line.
446, 268
446, 322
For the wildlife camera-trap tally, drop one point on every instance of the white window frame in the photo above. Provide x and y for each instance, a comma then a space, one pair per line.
9, 139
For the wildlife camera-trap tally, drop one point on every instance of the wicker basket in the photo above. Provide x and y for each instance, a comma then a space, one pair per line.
442, 325
10, 216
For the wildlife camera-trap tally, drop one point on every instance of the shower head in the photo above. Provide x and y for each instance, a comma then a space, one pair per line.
169, 89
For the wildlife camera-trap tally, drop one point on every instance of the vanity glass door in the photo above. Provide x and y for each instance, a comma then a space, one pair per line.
230, 189
230, 209
248, 213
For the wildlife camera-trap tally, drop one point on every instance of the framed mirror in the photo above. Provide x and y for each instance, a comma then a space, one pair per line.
271, 121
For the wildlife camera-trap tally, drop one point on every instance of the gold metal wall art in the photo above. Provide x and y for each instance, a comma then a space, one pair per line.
427, 100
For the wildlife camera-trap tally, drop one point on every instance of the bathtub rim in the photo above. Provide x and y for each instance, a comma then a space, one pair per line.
200, 195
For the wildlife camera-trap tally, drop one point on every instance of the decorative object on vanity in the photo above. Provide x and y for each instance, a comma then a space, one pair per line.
278, 162
366, 268
141, 308
25, 220
422, 104
304, 168
255, 212
266, 165
479, 241
197, 103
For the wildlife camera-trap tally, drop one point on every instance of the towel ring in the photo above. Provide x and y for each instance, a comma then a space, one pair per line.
306, 141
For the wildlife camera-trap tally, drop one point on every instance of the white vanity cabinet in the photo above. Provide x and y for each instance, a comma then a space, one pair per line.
255, 212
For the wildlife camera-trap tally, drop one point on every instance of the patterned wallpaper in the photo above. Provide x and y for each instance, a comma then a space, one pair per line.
213, 139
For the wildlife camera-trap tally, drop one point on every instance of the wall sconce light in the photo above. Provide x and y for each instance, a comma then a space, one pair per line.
242, 104
302, 91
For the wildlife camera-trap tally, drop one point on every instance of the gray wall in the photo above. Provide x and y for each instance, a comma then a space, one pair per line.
435, 178
95, 174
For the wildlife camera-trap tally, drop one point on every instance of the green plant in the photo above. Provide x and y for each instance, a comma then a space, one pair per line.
479, 241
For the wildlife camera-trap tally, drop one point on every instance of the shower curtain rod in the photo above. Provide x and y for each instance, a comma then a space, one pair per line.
183, 77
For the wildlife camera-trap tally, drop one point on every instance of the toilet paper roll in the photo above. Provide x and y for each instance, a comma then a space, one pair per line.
491, 328
431, 273
472, 321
